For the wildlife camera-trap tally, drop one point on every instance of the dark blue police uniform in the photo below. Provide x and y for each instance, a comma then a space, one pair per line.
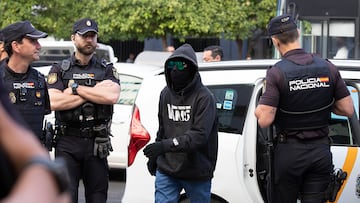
28, 92
306, 86
77, 128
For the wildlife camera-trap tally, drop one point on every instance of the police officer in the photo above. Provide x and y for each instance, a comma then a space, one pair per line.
301, 91
26, 174
27, 87
82, 91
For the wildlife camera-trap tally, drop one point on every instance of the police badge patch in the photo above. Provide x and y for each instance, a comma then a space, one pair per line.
12, 97
52, 78
38, 94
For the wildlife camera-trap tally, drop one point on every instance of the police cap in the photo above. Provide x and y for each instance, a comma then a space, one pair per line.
85, 25
281, 24
21, 29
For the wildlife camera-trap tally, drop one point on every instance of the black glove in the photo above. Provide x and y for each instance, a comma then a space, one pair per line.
153, 150
102, 147
151, 165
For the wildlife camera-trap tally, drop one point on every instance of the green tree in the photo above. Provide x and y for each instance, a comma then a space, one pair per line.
141, 19
246, 18
53, 17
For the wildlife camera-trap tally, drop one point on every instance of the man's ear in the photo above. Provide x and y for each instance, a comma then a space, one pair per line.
275, 41
217, 58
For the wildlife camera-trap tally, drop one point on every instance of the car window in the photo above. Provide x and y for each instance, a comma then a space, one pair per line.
129, 88
50, 55
103, 54
232, 102
340, 129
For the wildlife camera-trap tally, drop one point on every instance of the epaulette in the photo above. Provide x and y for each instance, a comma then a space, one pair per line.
104, 63
65, 64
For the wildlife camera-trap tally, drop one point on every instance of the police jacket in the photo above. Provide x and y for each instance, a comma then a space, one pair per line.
307, 95
69, 71
190, 117
28, 92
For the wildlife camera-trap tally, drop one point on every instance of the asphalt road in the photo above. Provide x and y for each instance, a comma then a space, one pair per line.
116, 188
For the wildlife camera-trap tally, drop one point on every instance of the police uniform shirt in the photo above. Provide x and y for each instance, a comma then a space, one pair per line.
275, 79
55, 74
28, 92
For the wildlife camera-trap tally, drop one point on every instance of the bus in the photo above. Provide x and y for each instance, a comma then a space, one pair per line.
329, 28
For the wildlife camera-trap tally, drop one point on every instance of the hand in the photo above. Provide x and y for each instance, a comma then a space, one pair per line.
154, 150
151, 165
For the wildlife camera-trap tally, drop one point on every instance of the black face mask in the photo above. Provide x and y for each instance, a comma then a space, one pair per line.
180, 78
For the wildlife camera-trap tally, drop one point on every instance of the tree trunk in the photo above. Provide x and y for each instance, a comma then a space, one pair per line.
164, 43
239, 43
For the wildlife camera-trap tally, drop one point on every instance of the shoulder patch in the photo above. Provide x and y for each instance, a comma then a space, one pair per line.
264, 86
52, 78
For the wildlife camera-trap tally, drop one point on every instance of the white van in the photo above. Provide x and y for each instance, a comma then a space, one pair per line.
243, 170
54, 51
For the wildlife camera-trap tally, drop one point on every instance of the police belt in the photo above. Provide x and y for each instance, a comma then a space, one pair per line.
284, 139
87, 132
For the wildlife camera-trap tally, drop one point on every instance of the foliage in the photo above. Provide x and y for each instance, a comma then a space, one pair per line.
141, 19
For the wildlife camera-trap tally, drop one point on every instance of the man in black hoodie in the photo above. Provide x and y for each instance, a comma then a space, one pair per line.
185, 152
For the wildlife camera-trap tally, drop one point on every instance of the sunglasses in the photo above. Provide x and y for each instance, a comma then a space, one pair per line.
179, 65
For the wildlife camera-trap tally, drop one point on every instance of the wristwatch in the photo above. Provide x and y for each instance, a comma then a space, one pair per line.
57, 168
74, 86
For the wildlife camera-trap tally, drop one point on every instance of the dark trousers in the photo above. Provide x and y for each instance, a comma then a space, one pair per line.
82, 164
301, 169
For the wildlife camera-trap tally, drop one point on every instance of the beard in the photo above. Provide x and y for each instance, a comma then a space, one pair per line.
86, 50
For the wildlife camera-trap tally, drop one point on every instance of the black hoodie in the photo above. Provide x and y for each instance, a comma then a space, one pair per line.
188, 125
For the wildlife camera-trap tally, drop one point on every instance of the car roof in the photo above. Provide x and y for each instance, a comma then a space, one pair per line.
248, 71
158, 58
252, 69
139, 70
350, 65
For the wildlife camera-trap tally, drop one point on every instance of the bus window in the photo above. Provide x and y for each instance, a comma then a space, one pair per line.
334, 39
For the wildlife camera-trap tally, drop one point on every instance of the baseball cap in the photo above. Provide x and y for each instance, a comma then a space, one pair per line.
281, 24
85, 25
21, 29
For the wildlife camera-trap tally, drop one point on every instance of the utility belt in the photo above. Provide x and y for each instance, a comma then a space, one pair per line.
100, 133
101, 130
283, 138
79, 132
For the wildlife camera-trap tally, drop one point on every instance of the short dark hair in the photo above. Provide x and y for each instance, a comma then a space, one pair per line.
287, 37
8, 46
215, 50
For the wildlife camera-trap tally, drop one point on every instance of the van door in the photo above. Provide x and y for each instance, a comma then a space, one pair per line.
345, 135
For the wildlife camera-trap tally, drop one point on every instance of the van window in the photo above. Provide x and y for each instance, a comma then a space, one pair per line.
103, 54
232, 102
129, 88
